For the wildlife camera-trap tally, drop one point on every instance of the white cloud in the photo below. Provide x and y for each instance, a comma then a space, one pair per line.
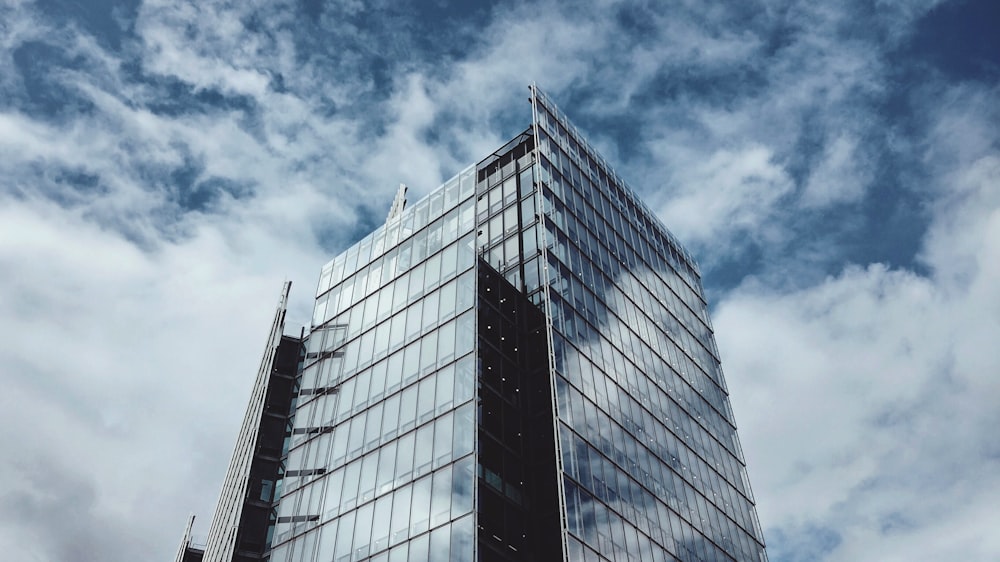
102, 371
842, 175
728, 194
867, 401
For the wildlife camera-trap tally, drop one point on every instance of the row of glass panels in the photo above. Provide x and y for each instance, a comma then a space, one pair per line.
374, 533
580, 161
412, 220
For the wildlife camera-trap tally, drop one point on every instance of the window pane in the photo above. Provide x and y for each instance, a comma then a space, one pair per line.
319, 312
441, 497
397, 332
433, 272
465, 380
496, 229
404, 458
345, 534
363, 532
466, 334
466, 252
378, 380
468, 181
381, 340
443, 439
399, 553
525, 180
394, 372
408, 409
512, 252
418, 548
449, 261
510, 189
450, 228
446, 342
339, 447
327, 538
428, 351
369, 469
495, 199
461, 487
361, 390
416, 287
448, 299
352, 475
510, 224
400, 515
465, 426
425, 400
445, 389
461, 540
440, 543
356, 440
390, 417
431, 309
380, 523
373, 426
466, 291
384, 303
420, 513
414, 317
423, 450
386, 468
334, 485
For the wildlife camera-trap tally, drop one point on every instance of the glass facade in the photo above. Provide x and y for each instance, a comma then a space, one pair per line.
520, 366
380, 462
651, 464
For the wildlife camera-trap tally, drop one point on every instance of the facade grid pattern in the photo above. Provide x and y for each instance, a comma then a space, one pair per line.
380, 463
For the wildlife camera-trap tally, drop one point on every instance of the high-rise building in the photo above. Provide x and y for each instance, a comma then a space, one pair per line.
520, 366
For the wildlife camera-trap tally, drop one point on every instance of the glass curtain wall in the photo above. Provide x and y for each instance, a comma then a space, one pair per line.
408, 441
652, 467
380, 462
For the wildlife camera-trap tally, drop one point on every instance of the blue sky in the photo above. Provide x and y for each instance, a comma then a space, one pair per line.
835, 167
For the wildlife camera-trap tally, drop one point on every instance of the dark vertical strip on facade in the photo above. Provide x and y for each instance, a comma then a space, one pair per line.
518, 508
265, 468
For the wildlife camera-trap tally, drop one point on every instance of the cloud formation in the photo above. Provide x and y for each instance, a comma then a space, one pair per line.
166, 165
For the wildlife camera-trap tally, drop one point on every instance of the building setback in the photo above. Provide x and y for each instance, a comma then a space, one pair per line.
520, 366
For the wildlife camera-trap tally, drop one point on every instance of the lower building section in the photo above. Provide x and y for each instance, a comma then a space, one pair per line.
258, 517
192, 554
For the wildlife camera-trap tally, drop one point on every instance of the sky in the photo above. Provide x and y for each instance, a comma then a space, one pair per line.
833, 166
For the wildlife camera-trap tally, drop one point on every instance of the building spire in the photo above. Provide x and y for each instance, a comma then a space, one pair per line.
186, 540
398, 204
